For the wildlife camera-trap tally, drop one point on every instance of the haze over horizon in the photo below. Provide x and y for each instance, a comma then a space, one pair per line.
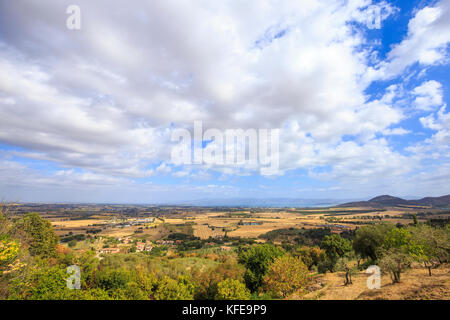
87, 115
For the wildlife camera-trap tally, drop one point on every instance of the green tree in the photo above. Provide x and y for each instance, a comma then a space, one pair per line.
311, 256
231, 289
395, 261
41, 282
134, 292
286, 275
113, 279
257, 260
335, 246
208, 280
401, 238
415, 219
38, 234
72, 243
435, 243
170, 289
368, 239
399, 250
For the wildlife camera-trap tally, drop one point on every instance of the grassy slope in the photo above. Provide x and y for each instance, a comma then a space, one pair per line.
416, 284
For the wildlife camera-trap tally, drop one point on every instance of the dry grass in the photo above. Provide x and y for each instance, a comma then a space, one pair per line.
70, 224
204, 232
270, 221
415, 285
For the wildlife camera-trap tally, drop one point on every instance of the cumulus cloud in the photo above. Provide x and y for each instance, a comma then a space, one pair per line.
426, 42
440, 123
428, 95
105, 99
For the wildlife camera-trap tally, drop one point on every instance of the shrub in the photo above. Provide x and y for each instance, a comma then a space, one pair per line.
257, 260
231, 289
170, 289
286, 275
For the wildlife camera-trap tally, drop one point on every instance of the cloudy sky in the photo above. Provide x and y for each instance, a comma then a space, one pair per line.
359, 90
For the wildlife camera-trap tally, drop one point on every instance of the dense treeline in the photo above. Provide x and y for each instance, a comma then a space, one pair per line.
33, 265
299, 236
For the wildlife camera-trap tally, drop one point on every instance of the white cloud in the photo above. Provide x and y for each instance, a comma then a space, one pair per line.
428, 95
106, 98
426, 42
440, 123
396, 131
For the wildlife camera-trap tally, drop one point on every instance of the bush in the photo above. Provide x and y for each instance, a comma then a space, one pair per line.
72, 243
286, 275
257, 260
311, 256
231, 289
326, 265
207, 281
169, 289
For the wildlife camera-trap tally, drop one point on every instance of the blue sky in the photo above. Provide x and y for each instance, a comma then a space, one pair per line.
88, 115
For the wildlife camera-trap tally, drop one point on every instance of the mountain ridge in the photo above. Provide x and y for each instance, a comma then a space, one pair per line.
391, 201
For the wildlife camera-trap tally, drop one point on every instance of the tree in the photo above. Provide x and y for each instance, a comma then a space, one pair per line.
335, 246
257, 260
395, 261
346, 264
326, 264
369, 238
415, 219
435, 243
231, 289
398, 251
170, 289
41, 282
38, 234
72, 243
286, 275
311, 256
134, 292
112, 279
207, 281
401, 238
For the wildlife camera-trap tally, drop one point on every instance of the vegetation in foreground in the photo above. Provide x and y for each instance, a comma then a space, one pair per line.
33, 264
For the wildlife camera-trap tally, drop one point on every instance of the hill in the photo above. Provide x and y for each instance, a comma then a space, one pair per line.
390, 201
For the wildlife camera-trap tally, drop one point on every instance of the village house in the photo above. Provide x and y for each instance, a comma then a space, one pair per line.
124, 240
140, 246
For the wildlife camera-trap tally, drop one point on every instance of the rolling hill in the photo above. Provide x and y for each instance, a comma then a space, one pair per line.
390, 201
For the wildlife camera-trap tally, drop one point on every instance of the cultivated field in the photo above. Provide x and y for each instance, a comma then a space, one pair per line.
234, 223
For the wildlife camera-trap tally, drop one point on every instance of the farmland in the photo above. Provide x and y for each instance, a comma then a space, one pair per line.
154, 223
207, 245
